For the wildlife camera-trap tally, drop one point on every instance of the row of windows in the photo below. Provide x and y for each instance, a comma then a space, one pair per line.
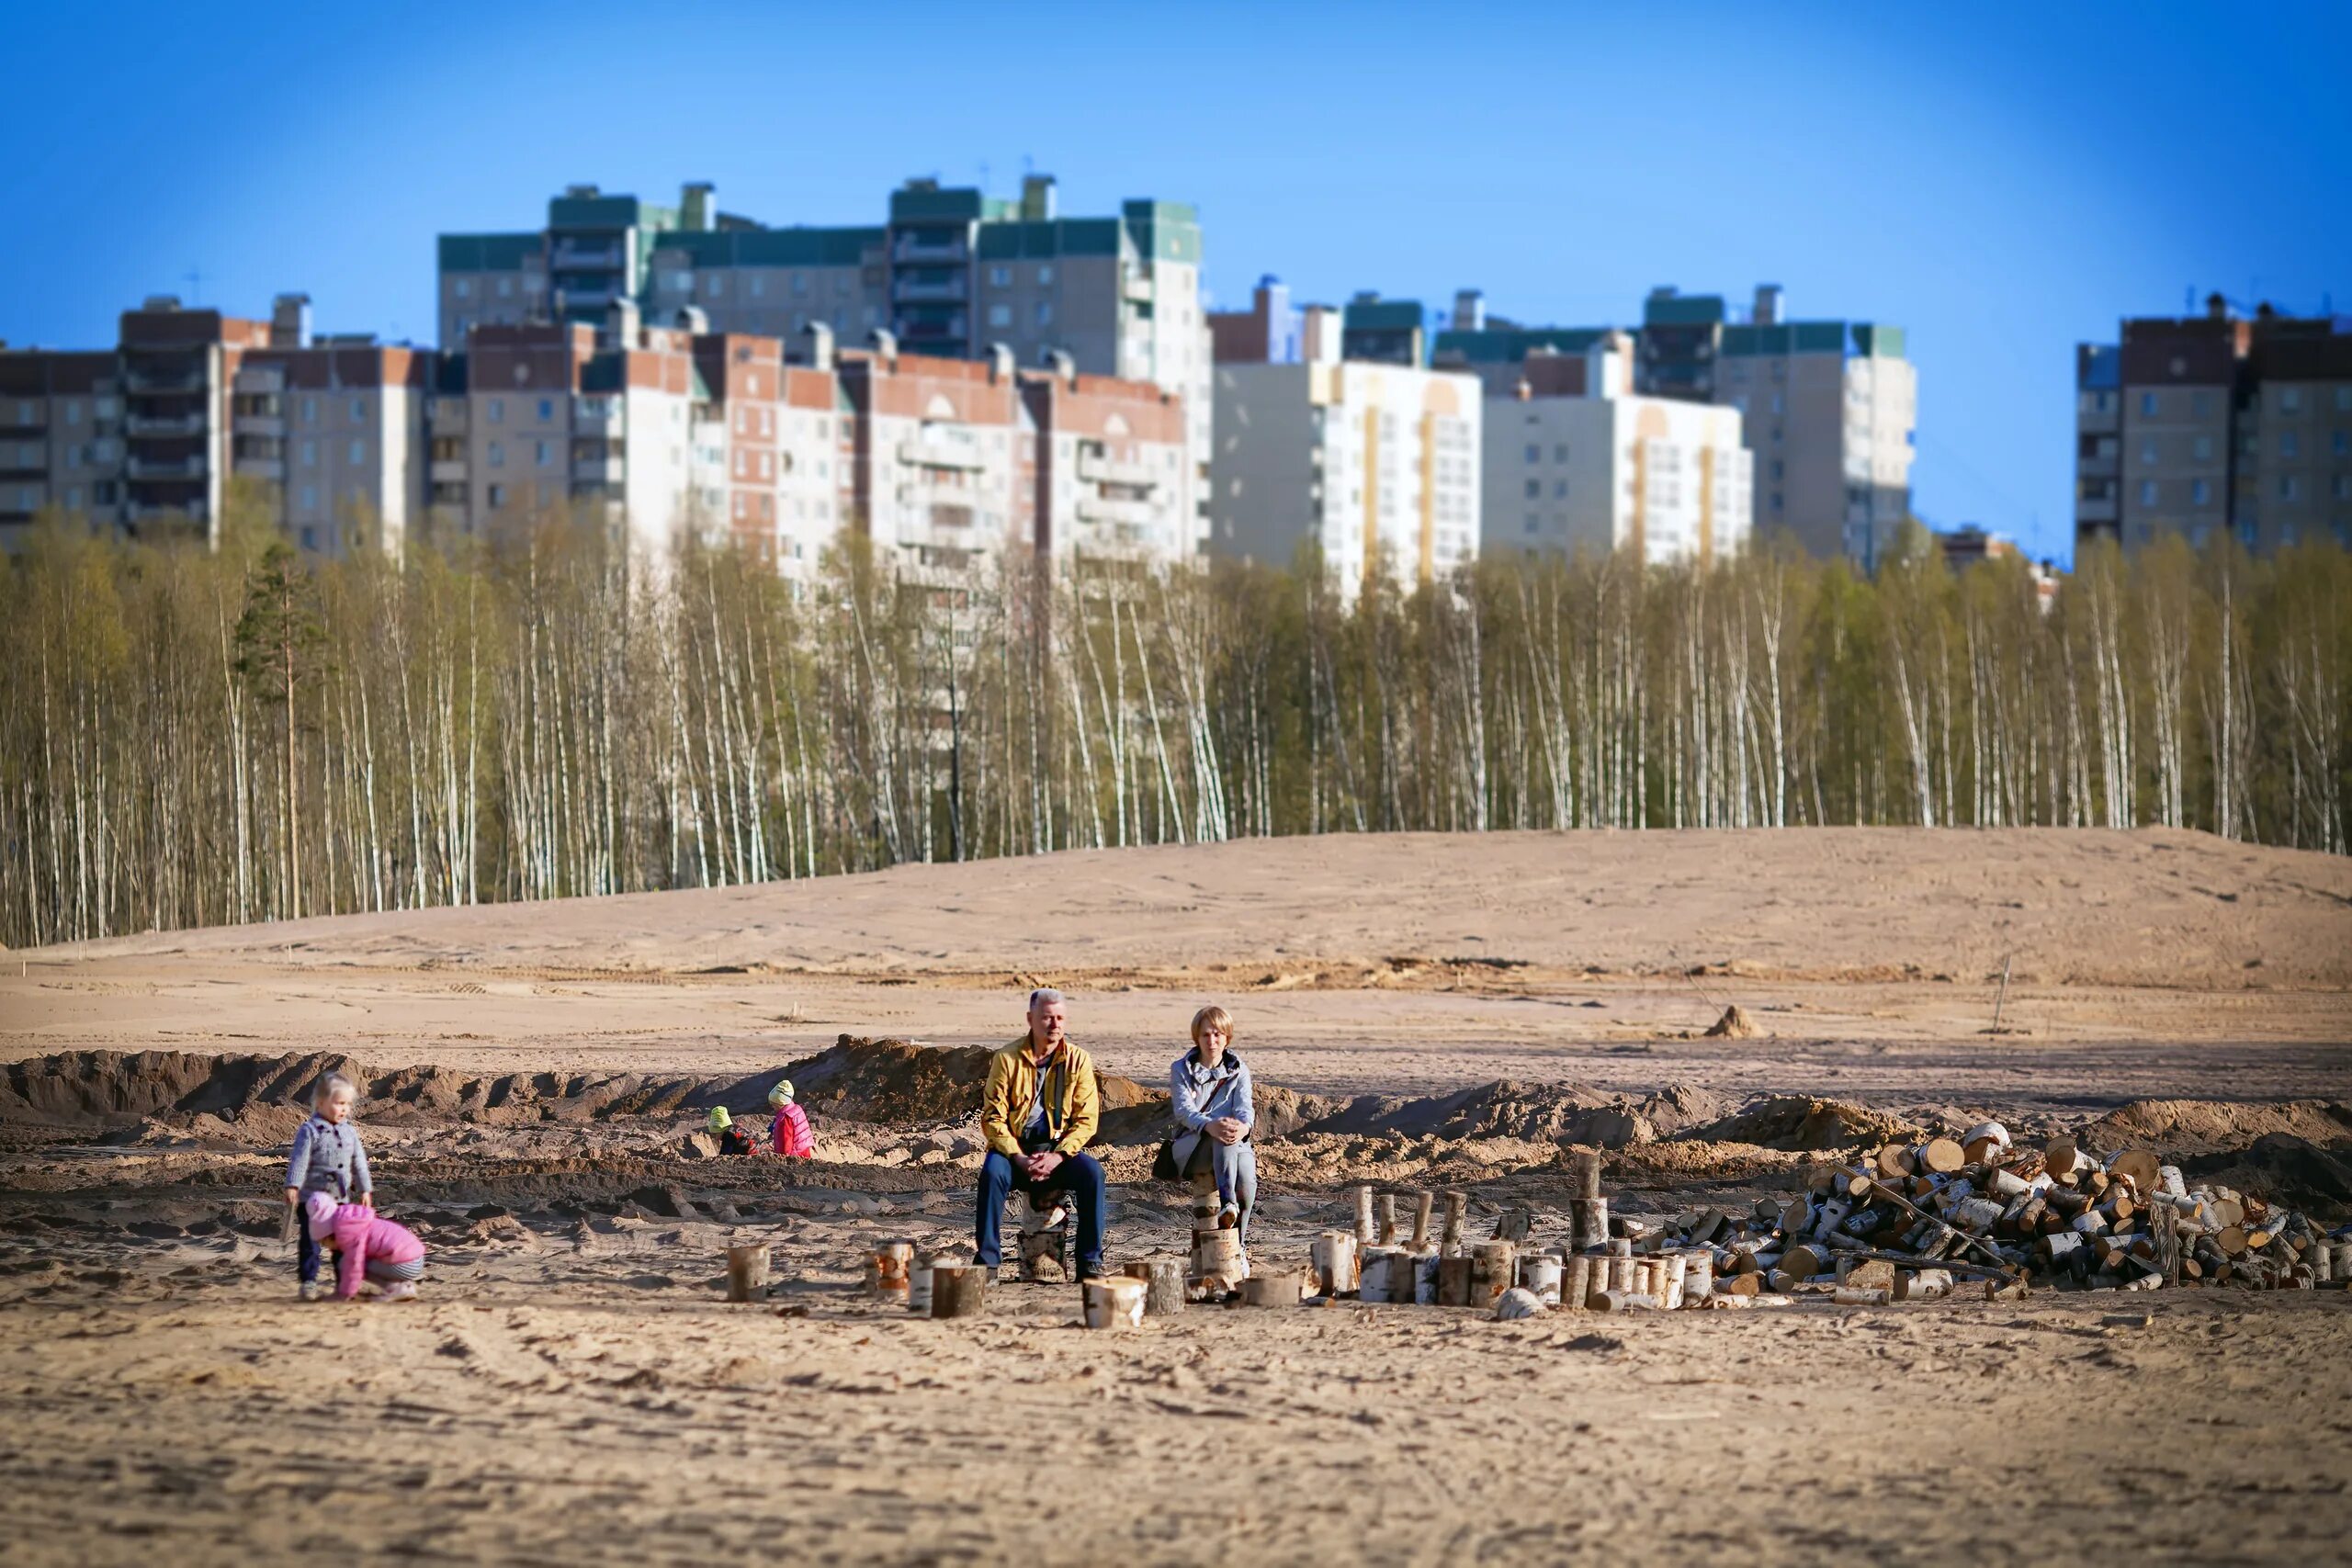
2284, 398
2201, 491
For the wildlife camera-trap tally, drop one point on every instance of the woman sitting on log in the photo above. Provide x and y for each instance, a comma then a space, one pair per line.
1208, 1089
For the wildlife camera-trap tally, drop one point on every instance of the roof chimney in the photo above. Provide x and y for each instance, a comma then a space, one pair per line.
693, 206
821, 344
1058, 361
289, 322
1768, 305
999, 362
2216, 308
1037, 198
885, 346
622, 320
1469, 310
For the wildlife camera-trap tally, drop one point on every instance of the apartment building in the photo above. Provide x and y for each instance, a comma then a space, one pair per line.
1376, 464
2190, 425
941, 475
1270, 331
1575, 460
146, 437
1110, 470
951, 274
1830, 407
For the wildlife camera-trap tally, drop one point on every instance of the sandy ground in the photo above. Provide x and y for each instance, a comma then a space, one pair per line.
569, 1386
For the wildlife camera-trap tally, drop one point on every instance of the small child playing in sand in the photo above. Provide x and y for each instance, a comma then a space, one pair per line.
366, 1247
327, 1158
793, 1138
732, 1140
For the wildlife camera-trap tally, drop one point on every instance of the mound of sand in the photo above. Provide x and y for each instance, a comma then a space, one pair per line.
1800, 1121
1547, 1114
2284, 1169
2207, 1126
1735, 1024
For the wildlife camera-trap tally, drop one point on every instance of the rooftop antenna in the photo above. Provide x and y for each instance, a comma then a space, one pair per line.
194, 281
984, 177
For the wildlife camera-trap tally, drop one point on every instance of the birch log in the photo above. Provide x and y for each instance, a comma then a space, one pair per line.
959, 1290
1116, 1302
747, 1273
1163, 1281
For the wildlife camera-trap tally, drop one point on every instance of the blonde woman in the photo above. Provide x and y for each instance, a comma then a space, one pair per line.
1208, 1089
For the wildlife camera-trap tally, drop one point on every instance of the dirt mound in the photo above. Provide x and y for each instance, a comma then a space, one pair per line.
896, 1081
1799, 1122
1681, 1105
1733, 1025
2208, 1126
1549, 1114
113, 1089
2283, 1168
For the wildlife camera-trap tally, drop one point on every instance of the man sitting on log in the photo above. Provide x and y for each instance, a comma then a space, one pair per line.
1038, 1114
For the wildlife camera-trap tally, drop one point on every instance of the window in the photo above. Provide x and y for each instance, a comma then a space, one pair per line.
358, 410
2201, 492
309, 410
2290, 400
2344, 487
2148, 452
546, 453
758, 287
999, 315
2147, 492
1778, 406
310, 498
1535, 490
2286, 444
2147, 405
1777, 471
1559, 490
498, 495
74, 498
2289, 487
2200, 404
73, 414
717, 287
2287, 532
1560, 452
359, 451
309, 454
1044, 313
1530, 523
462, 288
498, 454
505, 288
1535, 453
2343, 443
1044, 273
2344, 400
498, 411
1000, 277
800, 286
2204, 448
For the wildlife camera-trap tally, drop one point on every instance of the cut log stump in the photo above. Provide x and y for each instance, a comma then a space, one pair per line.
747, 1273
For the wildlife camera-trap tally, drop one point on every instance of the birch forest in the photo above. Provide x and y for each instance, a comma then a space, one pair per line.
194, 737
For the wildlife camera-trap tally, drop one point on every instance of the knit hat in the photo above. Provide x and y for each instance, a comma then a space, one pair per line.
781, 1092
720, 1120
320, 1207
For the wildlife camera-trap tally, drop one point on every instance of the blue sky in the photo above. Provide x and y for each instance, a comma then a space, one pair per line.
2000, 181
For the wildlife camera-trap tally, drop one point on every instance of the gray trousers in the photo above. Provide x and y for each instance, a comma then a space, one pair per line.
1235, 1166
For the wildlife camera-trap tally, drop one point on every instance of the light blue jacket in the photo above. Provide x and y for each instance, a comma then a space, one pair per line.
1199, 1095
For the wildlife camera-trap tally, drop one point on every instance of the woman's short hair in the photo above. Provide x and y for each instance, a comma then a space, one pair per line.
1212, 1017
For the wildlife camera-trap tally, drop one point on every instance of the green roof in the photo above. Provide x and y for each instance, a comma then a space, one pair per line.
1044, 238
774, 247
954, 202
607, 213
1509, 346
489, 253
1164, 231
1383, 315
1815, 337
1683, 309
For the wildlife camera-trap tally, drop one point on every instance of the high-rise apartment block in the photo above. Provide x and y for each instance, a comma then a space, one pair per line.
2190, 425
952, 274
1830, 407
1575, 460
1376, 464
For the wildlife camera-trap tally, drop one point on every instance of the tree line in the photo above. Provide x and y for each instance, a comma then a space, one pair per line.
197, 736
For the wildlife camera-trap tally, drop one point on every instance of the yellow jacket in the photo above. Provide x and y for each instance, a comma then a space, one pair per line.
1073, 1110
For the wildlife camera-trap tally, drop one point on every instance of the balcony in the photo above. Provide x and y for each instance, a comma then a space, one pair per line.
599, 416
448, 470
958, 518
911, 248
165, 468
917, 290
260, 381
163, 425
269, 424
1137, 288
606, 470
23, 417
2088, 511
572, 256
1135, 513
920, 453
448, 416
271, 468
597, 297
932, 333
164, 379
1098, 469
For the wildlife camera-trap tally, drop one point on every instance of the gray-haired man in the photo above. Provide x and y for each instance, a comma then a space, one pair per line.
1038, 1114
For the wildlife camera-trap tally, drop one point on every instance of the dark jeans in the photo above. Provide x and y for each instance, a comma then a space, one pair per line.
306, 1251
1080, 1176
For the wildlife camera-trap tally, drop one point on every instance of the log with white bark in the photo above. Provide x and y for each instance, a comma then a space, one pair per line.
1450, 1244
1117, 1302
747, 1273
1624, 1301
1333, 1264
886, 1270
1452, 1280
1388, 1219
1542, 1275
1516, 1302
1926, 1285
959, 1290
1588, 1224
1575, 1285
1217, 1261
1384, 1274
1425, 1276
1493, 1264
1366, 1234
1272, 1290
1163, 1281
1854, 1295
1515, 1223
1423, 1202
1677, 1270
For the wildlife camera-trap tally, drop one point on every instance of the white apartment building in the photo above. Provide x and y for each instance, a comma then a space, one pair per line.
1377, 465
1577, 461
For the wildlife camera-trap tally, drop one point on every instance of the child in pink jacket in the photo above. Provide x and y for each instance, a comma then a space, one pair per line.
366, 1245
